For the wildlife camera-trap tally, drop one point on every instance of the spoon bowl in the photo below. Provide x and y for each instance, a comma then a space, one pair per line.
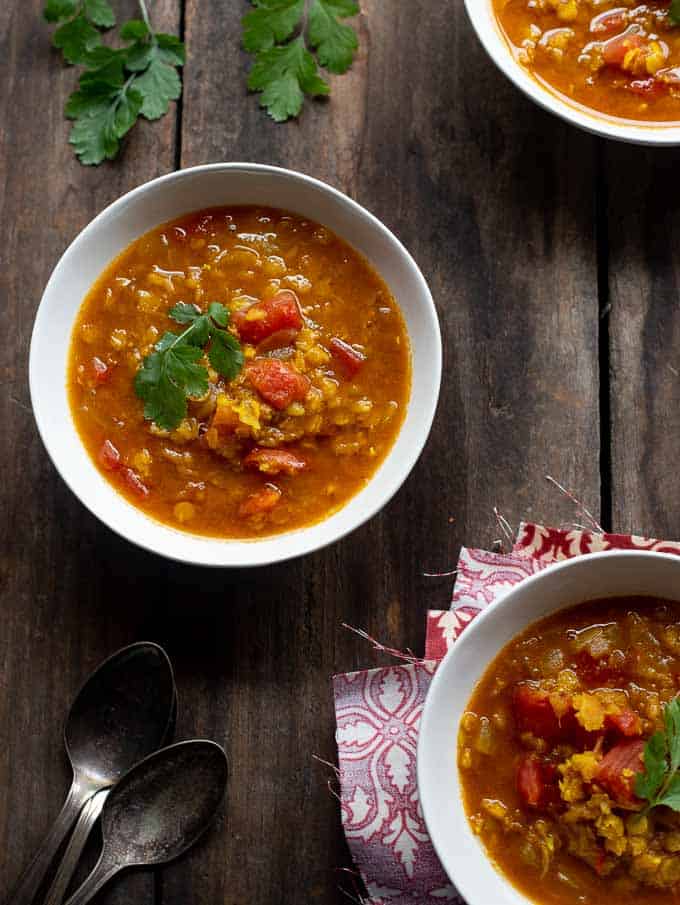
121, 714
161, 808
158, 810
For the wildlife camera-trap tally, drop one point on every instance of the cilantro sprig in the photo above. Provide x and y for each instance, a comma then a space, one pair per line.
290, 39
119, 84
674, 12
172, 373
660, 782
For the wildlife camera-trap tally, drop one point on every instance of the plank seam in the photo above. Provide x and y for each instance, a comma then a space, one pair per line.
604, 352
180, 102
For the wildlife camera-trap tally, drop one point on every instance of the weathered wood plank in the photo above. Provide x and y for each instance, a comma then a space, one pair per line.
55, 627
496, 201
644, 333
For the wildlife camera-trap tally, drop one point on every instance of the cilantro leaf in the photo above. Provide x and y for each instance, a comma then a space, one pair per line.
335, 43
284, 75
58, 10
659, 784
671, 797
101, 123
271, 23
181, 363
172, 373
219, 313
225, 354
170, 49
118, 84
672, 724
647, 784
134, 30
76, 38
284, 46
184, 313
100, 13
165, 402
159, 84
674, 12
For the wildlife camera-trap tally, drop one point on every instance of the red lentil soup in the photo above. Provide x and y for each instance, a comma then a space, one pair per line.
618, 57
550, 748
312, 412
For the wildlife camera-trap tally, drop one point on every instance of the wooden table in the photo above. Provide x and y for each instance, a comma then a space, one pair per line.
552, 259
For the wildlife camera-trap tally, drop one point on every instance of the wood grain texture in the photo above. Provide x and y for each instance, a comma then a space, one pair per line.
644, 337
54, 628
481, 187
474, 180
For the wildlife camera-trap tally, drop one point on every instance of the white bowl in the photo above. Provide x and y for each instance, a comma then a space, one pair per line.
574, 581
483, 18
164, 199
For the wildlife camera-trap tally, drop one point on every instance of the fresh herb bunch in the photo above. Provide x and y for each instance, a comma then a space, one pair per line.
118, 84
171, 373
660, 783
290, 39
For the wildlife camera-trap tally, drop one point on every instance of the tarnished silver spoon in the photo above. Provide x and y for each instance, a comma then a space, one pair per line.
121, 713
158, 811
86, 821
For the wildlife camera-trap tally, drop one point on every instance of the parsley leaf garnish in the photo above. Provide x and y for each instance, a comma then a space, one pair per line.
290, 39
335, 43
674, 12
172, 373
118, 84
660, 782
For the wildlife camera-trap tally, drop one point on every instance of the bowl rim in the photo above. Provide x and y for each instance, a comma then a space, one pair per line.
200, 549
655, 134
465, 884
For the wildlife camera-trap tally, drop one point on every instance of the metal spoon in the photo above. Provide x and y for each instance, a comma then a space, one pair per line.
158, 810
86, 821
120, 714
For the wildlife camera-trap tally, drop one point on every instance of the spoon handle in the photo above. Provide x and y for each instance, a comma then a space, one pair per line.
69, 862
32, 878
98, 878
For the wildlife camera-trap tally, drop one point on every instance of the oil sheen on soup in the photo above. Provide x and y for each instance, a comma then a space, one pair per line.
617, 57
287, 436
551, 746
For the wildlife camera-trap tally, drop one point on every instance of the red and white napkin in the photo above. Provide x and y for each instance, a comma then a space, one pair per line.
378, 715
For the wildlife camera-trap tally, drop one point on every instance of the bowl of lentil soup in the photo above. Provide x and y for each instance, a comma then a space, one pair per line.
536, 727
611, 67
235, 364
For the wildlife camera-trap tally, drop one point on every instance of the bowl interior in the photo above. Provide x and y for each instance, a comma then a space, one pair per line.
162, 200
575, 581
483, 18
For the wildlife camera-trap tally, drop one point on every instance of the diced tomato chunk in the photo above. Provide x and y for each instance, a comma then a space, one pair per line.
617, 771
262, 319
534, 713
278, 340
627, 723
101, 370
109, 457
274, 461
348, 358
610, 20
614, 50
278, 383
537, 782
262, 501
135, 483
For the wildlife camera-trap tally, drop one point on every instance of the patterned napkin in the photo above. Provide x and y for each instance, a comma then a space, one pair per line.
378, 715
